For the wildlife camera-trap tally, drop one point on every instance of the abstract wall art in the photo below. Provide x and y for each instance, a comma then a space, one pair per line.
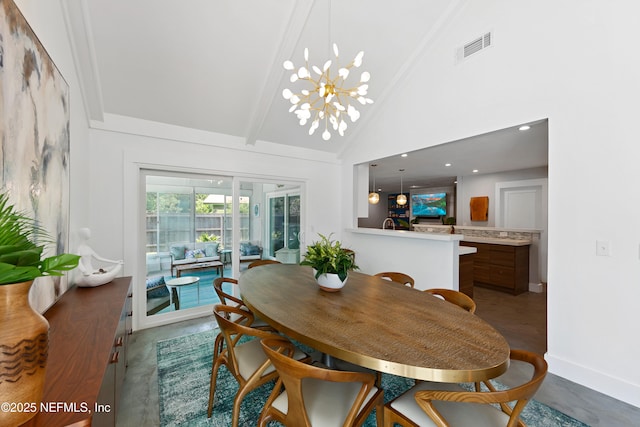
479, 207
34, 138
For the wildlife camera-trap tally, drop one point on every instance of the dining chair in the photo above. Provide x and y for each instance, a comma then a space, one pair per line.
259, 262
401, 278
227, 298
351, 253
442, 405
244, 358
455, 297
307, 395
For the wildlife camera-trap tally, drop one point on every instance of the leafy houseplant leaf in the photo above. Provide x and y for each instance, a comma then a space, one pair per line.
328, 257
20, 257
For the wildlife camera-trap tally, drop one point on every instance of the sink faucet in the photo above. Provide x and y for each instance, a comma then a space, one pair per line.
384, 223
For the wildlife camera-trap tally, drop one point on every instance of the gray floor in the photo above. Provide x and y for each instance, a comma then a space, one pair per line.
139, 403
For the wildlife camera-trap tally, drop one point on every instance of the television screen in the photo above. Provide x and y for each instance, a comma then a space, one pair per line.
429, 205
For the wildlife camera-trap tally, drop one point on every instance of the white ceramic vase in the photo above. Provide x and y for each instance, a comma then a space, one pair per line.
329, 282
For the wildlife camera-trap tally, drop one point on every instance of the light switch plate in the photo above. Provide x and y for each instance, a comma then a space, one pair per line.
603, 248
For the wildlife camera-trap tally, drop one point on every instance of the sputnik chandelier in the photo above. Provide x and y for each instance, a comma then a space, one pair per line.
326, 99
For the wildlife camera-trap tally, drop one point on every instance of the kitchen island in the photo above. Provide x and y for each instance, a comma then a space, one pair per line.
501, 264
431, 259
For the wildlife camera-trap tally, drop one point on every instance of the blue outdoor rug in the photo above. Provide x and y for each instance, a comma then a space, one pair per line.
184, 368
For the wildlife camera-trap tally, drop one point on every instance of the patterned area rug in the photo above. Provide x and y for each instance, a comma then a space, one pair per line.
184, 367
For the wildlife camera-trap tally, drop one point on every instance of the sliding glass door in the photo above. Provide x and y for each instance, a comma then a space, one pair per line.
284, 221
188, 226
199, 227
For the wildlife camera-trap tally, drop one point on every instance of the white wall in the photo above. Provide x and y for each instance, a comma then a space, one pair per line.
485, 185
570, 62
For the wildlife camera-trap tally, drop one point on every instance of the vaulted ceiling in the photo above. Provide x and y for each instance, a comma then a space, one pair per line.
217, 65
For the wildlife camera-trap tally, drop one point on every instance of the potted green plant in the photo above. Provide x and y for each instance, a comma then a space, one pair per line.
24, 332
450, 221
330, 262
204, 237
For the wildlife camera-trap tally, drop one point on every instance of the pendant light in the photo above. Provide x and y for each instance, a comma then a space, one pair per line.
402, 199
327, 100
374, 197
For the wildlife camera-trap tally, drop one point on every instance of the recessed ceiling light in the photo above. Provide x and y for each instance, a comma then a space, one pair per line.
525, 127
447, 164
404, 155
475, 171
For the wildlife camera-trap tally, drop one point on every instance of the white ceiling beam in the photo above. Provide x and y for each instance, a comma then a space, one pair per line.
84, 56
298, 17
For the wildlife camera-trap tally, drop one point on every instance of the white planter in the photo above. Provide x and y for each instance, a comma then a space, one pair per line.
330, 282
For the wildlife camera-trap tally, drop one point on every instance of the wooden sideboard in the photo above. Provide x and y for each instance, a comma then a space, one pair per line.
88, 336
502, 267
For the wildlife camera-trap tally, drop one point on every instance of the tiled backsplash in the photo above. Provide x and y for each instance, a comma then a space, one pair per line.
489, 233
496, 233
432, 228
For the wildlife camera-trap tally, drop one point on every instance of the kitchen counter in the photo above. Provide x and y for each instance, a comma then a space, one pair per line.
429, 258
497, 241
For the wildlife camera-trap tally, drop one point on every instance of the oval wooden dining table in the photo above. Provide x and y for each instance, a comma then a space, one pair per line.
377, 324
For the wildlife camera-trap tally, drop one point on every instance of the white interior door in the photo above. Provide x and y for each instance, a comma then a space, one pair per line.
522, 208
523, 205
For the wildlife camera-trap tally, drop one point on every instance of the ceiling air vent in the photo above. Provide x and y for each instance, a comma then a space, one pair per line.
473, 46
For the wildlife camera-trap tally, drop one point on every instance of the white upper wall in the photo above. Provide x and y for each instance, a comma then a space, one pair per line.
571, 62
485, 185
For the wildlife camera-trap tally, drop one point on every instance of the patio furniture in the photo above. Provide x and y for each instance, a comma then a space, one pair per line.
200, 266
192, 254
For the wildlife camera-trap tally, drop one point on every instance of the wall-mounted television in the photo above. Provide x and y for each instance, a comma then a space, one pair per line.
431, 205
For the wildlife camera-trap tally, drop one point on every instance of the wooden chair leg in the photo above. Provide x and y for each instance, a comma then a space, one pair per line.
212, 384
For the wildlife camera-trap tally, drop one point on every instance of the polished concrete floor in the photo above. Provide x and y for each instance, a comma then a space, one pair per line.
521, 319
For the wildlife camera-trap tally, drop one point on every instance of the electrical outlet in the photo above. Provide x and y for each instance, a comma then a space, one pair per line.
503, 234
603, 248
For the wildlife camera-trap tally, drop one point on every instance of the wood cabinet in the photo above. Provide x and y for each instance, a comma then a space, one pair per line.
465, 274
503, 267
89, 329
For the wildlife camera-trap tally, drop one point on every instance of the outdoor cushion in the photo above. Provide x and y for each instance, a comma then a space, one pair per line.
156, 287
196, 253
249, 249
177, 251
210, 249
